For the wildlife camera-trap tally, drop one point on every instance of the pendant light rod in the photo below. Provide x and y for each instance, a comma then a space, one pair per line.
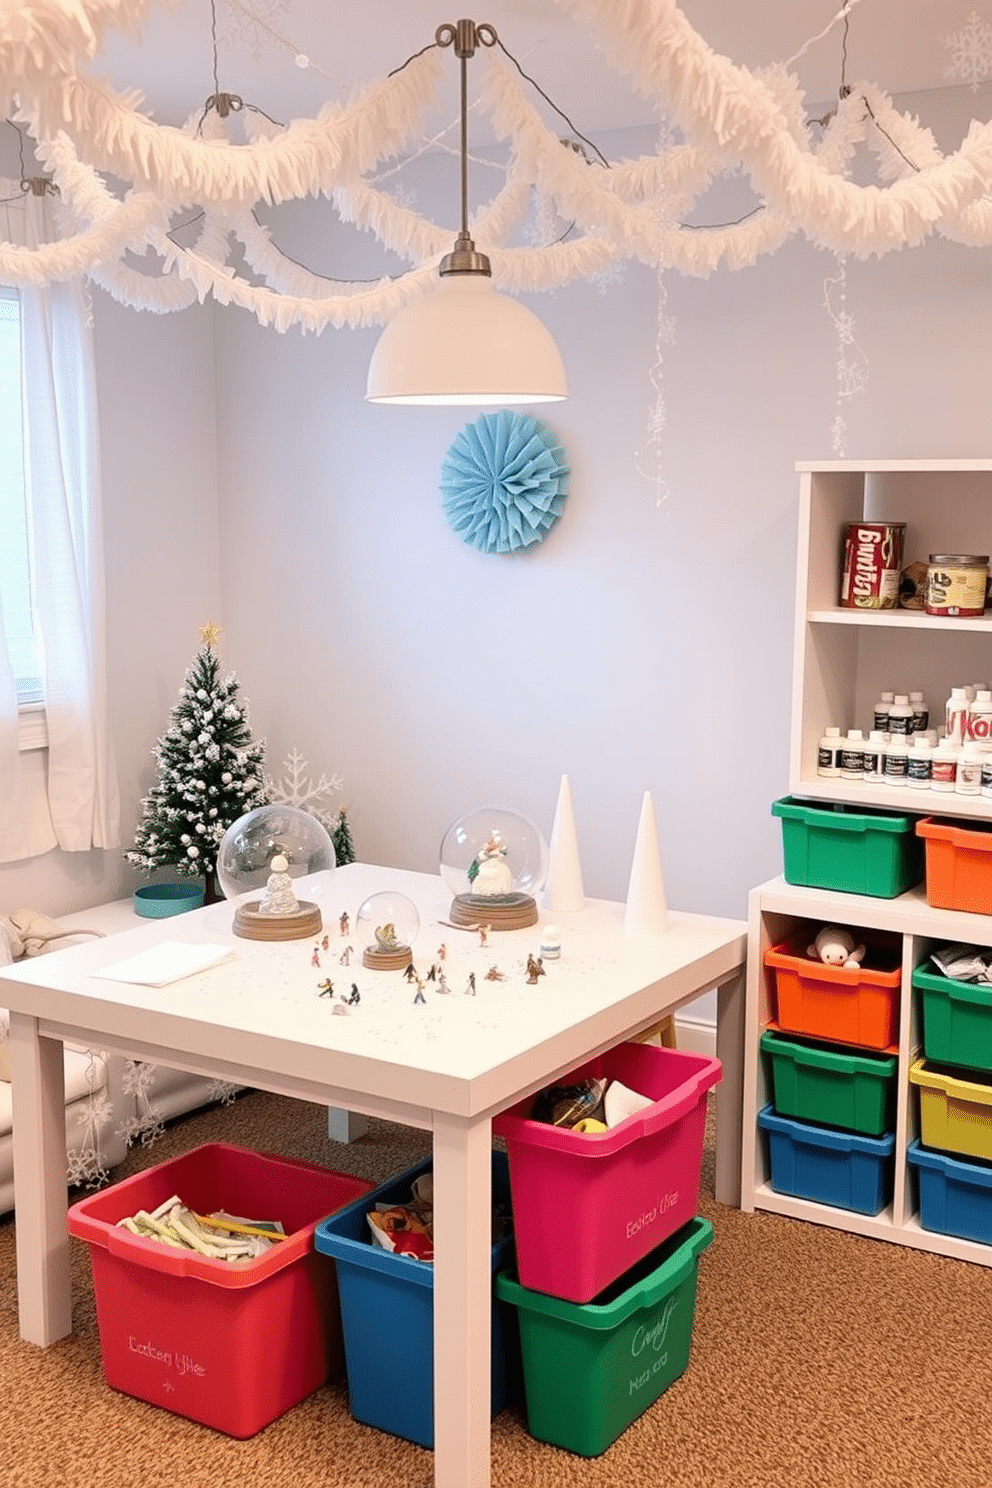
465, 36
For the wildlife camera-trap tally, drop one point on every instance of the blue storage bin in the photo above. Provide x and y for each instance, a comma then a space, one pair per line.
955, 1194
829, 1167
387, 1316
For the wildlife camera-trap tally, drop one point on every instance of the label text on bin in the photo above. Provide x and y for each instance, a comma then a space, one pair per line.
181, 1363
666, 1202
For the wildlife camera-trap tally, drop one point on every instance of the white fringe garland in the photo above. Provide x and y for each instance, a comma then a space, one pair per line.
731, 120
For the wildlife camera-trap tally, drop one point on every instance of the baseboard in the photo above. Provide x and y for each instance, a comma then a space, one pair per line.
695, 1036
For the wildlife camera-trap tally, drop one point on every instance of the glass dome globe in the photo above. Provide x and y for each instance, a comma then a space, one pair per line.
495, 862
244, 858
386, 925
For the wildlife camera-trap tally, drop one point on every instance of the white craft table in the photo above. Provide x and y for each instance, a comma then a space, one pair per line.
446, 1066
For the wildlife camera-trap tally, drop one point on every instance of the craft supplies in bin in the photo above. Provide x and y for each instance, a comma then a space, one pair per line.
958, 864
623, 1190
955, 1109
955, 1193
844, 1004
844, 1169
957, 1019
858, 850
832, 1085
590, 1371
387, 1315
232, 1345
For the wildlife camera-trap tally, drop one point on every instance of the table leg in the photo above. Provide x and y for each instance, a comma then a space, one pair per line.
730, 1091
345, 1126
462, 1301
40, 1190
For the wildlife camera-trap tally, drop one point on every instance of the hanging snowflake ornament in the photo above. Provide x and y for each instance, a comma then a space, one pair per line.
503, 482
971, 52
298, 788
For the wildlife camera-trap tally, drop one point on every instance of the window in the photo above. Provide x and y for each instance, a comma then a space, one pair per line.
15, 537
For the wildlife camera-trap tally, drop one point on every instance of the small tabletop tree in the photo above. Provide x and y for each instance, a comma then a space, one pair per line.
210, 773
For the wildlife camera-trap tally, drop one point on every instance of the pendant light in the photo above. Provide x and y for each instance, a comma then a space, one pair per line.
463, 342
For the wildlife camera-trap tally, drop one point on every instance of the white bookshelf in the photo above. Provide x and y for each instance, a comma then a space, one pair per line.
843, 660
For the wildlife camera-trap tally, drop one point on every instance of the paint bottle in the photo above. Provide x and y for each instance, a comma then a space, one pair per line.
987, 775
978, 725
956, 715
875, 755
896, 760
969, 781
852, 755
918, 763
828, 753
901, 716
881, 718
921, 713
944, 766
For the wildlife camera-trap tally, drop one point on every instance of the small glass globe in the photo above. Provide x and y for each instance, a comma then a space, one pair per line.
244, 858
492, 854
387, 924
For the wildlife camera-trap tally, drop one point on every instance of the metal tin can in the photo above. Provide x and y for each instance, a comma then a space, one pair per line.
956, 583
872, 565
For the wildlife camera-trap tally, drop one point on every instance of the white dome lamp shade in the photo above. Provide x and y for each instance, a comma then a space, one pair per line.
464, 343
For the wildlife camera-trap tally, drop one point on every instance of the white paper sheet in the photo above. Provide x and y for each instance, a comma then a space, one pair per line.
167, 962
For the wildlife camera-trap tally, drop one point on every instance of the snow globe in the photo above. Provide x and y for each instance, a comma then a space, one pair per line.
495, 862
261, 859
387, 924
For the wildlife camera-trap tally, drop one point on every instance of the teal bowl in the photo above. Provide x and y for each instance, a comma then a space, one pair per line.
155, 901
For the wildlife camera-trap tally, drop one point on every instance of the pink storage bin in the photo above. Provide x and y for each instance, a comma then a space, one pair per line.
588, 1206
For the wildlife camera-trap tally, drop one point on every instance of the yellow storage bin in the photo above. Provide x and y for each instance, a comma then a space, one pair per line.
955, 1113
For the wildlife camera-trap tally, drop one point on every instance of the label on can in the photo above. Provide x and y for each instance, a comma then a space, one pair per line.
956, 584
872, 565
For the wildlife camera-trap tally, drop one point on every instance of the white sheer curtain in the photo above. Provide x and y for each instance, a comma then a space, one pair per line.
79, 808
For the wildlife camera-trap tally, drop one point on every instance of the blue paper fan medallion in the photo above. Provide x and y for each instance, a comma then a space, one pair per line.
504, 482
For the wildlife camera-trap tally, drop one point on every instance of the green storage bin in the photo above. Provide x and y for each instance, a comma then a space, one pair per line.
590, 1369
857, 850
957, 1020
830, 1085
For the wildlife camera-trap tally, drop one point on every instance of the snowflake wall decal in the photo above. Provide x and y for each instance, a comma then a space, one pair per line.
971, 52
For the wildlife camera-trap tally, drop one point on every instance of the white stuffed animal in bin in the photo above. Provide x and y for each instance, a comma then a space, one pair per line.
836, 947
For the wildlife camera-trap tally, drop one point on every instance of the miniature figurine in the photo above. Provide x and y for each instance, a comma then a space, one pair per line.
484, 934
442, 983
442, 951
489, 876
315, 958
432, 974
495, 975
534, 970
355, 996
344, 923
326, 988
325, 943
345, 957
279, 898
410, 974
470, 989
420, 992
836, 947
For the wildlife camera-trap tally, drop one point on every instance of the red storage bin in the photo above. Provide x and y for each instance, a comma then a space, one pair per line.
959, 864
588, 1206
231, 1345
846, 1004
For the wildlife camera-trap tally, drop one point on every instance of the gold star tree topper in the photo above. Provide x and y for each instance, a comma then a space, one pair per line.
210, 634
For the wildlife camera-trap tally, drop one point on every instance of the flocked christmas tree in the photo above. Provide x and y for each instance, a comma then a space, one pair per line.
209, 774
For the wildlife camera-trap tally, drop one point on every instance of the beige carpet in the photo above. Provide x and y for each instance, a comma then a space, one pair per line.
819, 1361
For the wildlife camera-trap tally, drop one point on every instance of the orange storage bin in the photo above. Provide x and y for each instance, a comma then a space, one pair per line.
848, 1005
959, 864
